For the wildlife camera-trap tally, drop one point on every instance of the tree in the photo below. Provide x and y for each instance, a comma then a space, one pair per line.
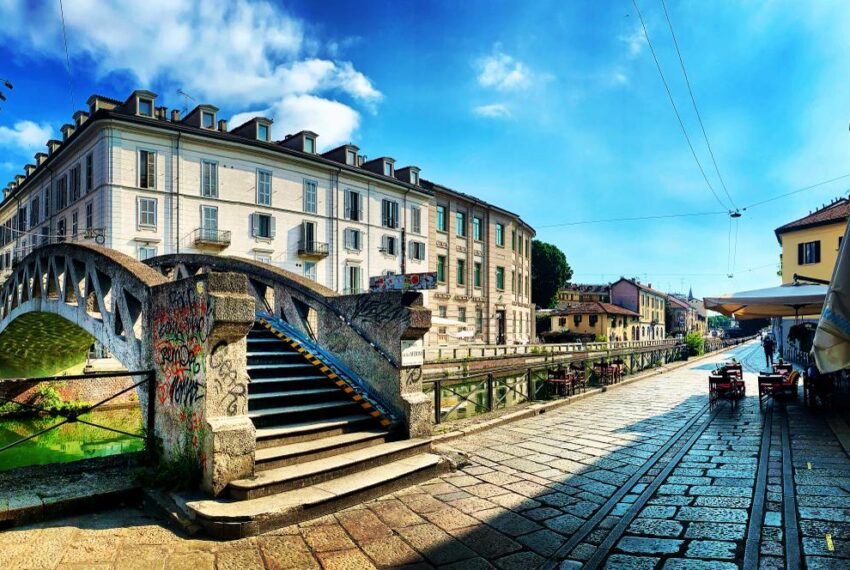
549, 272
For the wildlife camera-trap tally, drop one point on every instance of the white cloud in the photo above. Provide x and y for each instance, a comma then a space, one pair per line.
635, 40
25, 136
503, 72
229, 53
493, 111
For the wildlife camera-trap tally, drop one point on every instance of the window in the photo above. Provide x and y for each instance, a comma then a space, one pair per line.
147, 169
441, 219
520, 246
500, 278
209, 223
527, 248
208, 119
310, 145
352, 279
60, 230
74, 177
417, 250
476, 228
416, 219
460, 224
22, 219
352, 239
75, 224
146, 208
808, 252
35, 210
308, 235
442, 312
441, 268
562, 322
461, 314
388, 168
310, 270
500, 235
146, 107
513, 240
262, 131
46, 203
89, 216
146, 252
476, 274
593, 319
350, 157
461, 271
353, 205
89, 173
479, 321
310, 197
414, 177
264, 188
262, 225
209, 179
61, 193
389, 245
389, 213
577, 319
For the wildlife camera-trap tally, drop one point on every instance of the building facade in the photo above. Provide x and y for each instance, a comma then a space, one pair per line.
597, 319
131, 176
680, 317
647, 302
810, 244
583, 293
482, 256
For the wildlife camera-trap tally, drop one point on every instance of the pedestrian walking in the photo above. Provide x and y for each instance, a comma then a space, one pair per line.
769, 347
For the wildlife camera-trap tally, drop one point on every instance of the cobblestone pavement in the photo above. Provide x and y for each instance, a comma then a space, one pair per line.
645, 476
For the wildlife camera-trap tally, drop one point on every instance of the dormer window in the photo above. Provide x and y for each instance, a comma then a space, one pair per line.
208, 119
310, 145
145, 107
414, 177
350, 157
388, 168
262, 132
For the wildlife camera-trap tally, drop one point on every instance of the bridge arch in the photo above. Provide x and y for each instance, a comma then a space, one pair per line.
80, 288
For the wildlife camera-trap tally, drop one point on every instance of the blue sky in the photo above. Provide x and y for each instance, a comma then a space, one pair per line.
553, 110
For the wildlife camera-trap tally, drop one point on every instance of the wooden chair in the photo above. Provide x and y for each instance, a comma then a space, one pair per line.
579, 374
769, 385
560, 381
727, 386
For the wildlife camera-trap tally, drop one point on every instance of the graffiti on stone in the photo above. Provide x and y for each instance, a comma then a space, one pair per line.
227, 378
376, 310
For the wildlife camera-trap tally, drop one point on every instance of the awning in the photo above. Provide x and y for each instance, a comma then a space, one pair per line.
793, 300
832, 338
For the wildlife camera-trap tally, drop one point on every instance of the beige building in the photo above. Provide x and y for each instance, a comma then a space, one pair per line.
583, 293
642, 299
482, 256
597, 319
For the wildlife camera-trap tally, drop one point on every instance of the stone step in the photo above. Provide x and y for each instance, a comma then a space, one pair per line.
300, 413
294, 453
294, 393
283, 398
311, 430
271, 353
278, 366
285, 379
237, 519
302, 475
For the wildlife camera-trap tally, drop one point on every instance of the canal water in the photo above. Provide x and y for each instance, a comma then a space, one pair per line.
72, 441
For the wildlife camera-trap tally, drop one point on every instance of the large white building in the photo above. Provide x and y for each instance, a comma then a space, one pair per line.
133, 177
130, 177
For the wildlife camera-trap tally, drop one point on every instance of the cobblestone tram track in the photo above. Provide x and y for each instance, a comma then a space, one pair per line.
641, 525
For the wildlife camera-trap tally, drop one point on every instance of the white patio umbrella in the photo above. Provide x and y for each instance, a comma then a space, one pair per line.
792, 300
832, 338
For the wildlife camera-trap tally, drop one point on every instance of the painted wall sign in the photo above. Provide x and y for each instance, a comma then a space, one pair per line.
407, 282
412, 352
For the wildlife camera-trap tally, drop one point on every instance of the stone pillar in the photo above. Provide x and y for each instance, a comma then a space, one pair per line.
198, 329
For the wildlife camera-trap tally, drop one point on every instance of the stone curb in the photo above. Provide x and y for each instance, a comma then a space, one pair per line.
537, 409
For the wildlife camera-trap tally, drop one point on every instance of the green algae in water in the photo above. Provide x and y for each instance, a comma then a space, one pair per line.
71, 441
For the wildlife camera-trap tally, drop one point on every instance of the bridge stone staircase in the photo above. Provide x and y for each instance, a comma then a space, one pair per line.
321, 444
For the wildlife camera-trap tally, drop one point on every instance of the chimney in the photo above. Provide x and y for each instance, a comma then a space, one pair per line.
53, 145
40, 157
6, 191
80, 118
19, 179
67, 130
222, 125
29, 169
175, 115
161, 113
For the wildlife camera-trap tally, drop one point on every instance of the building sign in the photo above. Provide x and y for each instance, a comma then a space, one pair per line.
408, 282
412, 352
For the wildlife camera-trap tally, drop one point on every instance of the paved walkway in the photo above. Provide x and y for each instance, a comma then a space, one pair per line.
645, 476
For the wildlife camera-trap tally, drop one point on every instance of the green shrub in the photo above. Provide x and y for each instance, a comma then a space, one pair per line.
695, 343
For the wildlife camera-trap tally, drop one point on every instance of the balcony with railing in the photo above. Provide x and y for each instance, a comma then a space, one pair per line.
210, 238
313, 249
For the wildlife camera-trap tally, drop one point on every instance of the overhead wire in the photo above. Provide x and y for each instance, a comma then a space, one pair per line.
676, 110
634, 219
694, 102
797, 191
67, 56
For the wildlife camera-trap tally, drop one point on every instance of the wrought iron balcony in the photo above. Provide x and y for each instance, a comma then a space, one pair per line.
206, 237
311, 248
